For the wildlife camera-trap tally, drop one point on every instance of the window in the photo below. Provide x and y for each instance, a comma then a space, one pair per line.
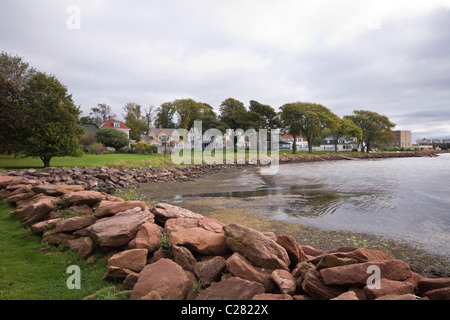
116, 125
163, 138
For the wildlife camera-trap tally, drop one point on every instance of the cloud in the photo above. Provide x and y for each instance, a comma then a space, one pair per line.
391, 57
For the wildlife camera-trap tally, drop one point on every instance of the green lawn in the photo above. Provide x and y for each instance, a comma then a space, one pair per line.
112, 160
30, 271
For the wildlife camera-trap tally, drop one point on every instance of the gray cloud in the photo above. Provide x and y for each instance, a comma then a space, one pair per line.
150, 52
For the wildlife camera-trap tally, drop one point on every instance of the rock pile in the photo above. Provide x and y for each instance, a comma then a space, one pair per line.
167, 252
111, 179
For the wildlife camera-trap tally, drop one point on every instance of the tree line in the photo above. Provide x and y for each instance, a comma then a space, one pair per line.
38, 117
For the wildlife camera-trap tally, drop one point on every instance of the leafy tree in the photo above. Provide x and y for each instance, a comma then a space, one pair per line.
135, 120
187, 110
374, 127
233, 114
310, 119
344, 128
266, 113
14, 70
113, 138
51, 119
11, 120
101, 113
290, 116
165, 116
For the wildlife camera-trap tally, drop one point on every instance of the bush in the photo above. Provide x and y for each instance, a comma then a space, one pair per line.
110, 137
95, 148
143, 148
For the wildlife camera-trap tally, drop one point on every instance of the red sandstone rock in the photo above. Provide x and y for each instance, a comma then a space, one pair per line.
389, 287
164, 211
117, 230
231, 289
256, 247
356, 274
165, 277
133, 259
210, 270
74, 223
292, 248
285, 281
108, 208
148, 236
426, 284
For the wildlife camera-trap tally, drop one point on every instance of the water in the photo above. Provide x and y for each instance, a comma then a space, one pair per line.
405, 199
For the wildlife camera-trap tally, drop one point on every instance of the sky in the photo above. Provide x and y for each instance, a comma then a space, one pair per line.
387, 56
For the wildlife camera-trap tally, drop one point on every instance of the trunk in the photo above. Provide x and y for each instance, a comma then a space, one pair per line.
335, 146
294, 145
46, 161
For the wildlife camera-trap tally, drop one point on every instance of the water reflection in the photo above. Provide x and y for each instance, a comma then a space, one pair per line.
403, 199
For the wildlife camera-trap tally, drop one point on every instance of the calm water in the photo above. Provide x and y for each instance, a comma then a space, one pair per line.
405, 199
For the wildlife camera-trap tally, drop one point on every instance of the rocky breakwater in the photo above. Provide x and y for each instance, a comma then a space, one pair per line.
171, 253
111, 179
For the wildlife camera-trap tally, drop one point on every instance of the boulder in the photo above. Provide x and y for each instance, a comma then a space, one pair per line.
74, 223
349, 295
314, 286
256, 247
356, 274
117, 273
397, 297
56, 238
240, 267
89, 198
37, 209
119, 229
133, 259
84, 247
231, 289
148, 237
183, 257
210, 270
198, 240
389, 287
165, 277
108, 208
426, 284
272, 296
42, 226
438, 294
285, 281
56, 190
330, 260
164, 211
361, 254
294, 251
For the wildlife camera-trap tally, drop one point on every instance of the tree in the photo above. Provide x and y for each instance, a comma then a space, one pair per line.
344, 129
187, 110
149, 116
113, 138
11, 121
310, 119
14, 70
101, 113
373, 126
290, 118
233, 114
267, 114
51, 120
135, 120
165, 116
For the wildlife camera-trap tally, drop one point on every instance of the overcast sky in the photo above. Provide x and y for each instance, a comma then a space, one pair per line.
388, 56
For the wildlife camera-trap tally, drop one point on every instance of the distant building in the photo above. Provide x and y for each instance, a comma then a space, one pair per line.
402, 139
118, 125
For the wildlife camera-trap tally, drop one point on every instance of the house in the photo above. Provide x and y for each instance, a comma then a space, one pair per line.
118, 125
287, 140
343, 144
160, 137
89, 128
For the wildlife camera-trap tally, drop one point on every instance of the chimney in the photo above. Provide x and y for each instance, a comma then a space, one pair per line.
160, 126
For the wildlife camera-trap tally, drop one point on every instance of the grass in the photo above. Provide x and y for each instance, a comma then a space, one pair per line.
112, 160
31, 271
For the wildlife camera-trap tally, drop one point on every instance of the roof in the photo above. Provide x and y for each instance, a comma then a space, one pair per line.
110, 124
157, 131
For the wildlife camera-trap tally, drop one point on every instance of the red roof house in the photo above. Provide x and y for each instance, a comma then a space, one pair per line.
118, 125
